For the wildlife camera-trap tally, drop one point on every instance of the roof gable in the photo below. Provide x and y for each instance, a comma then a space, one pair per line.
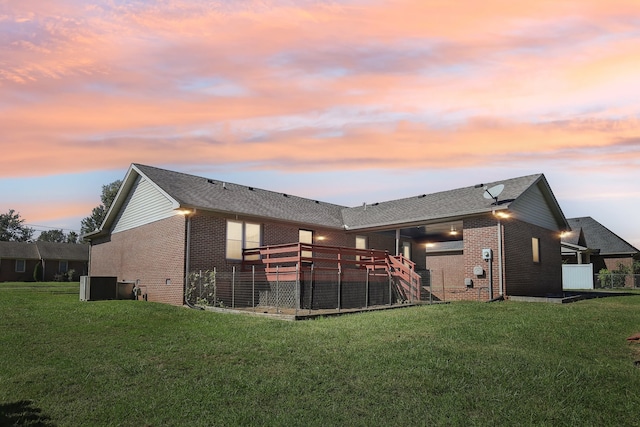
597, 236
452, 204
537, 205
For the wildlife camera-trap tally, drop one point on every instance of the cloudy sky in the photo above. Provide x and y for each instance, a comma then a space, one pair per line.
344, 101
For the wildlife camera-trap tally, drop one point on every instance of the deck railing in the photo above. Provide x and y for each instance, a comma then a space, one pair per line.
290, 259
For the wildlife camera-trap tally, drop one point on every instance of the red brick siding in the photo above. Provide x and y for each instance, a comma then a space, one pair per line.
447, 278
481, 233
8, 270
150, 253
51, 269
523, 276
208, 239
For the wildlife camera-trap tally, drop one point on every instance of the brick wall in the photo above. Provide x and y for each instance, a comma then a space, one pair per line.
481, 233
523, 276
447, 278
8, 270
208, 239
151, 253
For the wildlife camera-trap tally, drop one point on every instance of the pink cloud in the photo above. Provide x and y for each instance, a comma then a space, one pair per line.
114, 84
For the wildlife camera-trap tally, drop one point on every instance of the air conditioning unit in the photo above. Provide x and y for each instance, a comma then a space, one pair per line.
98, 288
85, 288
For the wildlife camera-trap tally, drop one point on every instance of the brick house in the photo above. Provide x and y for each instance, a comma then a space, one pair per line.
164, 224
19, 260
590, 242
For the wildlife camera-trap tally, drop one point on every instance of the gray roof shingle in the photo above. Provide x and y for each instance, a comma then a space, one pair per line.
18, 250
44, 250
214, 195
445, 204
207, 194
63, 251
597, 236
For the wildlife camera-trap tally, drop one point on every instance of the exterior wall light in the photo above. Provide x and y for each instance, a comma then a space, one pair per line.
185, 212
502, 214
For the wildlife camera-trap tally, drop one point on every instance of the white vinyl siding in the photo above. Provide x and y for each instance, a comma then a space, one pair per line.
144, 205
532, 207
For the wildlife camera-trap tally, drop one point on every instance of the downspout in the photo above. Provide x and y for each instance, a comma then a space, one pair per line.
41, 261
187, 260
397, 242
500, 277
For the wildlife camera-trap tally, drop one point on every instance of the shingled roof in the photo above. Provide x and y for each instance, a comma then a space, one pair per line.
213, 195
18, 250
190, 191
44, 250
449, 204
597, 236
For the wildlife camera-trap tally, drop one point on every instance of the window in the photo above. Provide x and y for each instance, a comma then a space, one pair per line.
361, 243
63, 266
406, 250
242, 235
306, 236
21, 266
535, 248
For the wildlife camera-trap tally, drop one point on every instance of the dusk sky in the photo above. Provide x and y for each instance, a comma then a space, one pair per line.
344, 101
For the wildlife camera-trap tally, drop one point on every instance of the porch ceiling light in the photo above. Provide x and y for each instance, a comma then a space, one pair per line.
501, 214
453, 231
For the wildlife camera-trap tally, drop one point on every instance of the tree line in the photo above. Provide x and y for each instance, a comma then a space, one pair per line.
14, 229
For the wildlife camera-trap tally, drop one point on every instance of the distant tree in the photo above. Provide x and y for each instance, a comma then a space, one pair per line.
12, 228
72, 237
56, 236
93, 222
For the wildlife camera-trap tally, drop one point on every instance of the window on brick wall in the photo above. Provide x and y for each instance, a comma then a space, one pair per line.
21, 265
361, 243
306, 236
242, 235
535, 249
63, 266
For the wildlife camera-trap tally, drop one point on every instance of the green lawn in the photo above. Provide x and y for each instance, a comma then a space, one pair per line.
130, 363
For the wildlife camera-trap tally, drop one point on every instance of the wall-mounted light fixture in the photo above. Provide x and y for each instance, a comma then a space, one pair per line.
185, 211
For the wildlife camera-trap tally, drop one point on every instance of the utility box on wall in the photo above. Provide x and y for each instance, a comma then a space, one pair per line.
478, 270
487, 254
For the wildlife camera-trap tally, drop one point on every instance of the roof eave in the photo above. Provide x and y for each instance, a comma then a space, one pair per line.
425, 221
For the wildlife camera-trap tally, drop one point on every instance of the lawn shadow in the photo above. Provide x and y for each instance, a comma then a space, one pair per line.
23, 413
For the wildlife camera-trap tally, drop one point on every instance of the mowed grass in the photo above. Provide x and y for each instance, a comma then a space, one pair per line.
127, 363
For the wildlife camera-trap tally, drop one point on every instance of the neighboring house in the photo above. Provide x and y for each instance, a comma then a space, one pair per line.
590, 242
19, 260
164, 224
